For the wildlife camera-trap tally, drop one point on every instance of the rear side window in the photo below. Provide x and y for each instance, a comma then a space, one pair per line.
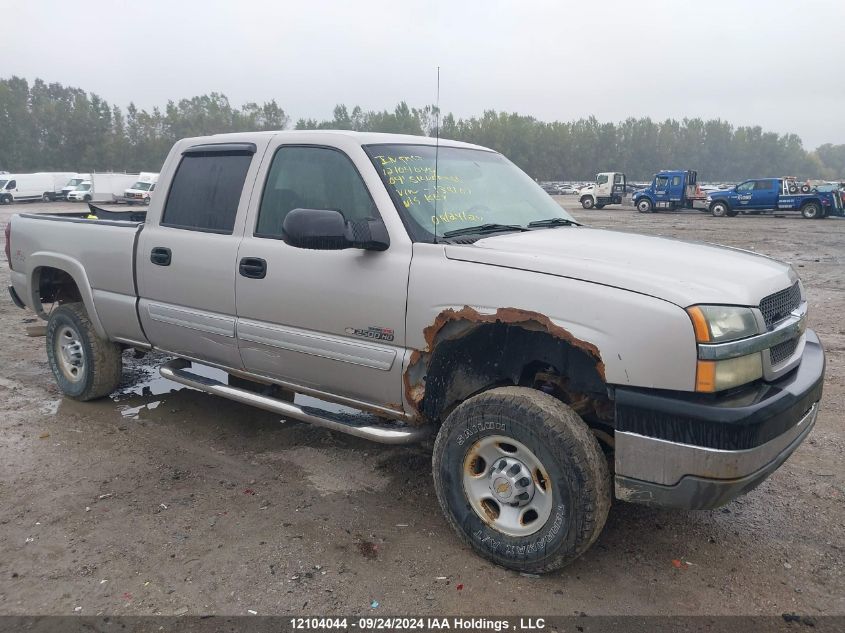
205, 192
764, 185
304, 177
676, 181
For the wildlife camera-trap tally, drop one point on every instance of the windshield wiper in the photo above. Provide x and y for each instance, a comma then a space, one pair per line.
484, 228
552, 222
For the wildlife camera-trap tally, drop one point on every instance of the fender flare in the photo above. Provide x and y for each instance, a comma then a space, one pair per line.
46, 259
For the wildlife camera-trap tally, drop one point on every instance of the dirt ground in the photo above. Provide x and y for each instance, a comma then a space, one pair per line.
164, 500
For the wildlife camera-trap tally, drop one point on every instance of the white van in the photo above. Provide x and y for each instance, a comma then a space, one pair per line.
74, 181
141, 190
43, 185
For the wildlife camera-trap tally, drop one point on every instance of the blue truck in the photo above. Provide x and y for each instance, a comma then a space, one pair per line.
773, 195
669, 190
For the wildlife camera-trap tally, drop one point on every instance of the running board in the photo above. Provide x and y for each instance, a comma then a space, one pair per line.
360, 425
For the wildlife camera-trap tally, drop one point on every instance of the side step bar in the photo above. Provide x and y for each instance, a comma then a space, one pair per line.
361, 425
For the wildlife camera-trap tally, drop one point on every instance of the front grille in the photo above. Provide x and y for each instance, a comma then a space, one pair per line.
782, 351
776, 307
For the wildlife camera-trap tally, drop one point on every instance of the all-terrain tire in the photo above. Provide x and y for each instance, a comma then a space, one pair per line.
577, 471
99, 361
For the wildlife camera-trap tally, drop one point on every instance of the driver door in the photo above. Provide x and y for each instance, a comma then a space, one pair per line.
328, 320
661, 192
745, 194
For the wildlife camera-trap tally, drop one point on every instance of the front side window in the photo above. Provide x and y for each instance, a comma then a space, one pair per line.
12, 184
205, 192
746, 186
303, 177
662, 182
602, 178
453, 188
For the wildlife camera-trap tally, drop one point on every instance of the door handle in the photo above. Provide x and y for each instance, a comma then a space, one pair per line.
160, 256
253, 267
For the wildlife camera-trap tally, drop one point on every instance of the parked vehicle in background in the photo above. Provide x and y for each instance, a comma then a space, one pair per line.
669, 190
142, 189
773, 194
326, 263
102, 188
566, 190
45, 186
549, 188
609, 188
74, 181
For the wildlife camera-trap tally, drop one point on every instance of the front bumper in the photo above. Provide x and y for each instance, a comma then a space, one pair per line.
696, 452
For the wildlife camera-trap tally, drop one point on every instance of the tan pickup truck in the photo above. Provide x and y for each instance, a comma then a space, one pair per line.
435, 288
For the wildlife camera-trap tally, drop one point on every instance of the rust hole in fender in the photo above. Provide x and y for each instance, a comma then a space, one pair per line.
432, 383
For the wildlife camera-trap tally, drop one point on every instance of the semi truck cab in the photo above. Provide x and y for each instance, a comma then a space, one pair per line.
669, 190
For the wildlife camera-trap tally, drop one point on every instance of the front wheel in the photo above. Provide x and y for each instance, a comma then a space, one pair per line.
644, 205
521, 479
84, 365
587, 202
811, 211
719, 209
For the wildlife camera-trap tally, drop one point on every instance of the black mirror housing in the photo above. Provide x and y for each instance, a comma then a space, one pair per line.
327, 230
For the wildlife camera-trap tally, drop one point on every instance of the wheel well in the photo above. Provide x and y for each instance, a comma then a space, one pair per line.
586, 196
470, 357
56, 286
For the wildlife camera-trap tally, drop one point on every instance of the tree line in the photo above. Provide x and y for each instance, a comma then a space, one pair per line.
47, 127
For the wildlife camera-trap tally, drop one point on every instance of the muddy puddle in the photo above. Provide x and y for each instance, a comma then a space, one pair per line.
143, 388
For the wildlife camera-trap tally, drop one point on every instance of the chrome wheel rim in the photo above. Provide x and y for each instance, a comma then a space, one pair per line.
507, 485
69, 354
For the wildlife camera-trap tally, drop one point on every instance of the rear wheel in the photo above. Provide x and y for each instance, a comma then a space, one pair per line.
811, 211
521, 479
587, 202
719, 209
84, 365
644, 205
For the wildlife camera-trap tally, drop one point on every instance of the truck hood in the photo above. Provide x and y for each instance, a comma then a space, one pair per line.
685, 273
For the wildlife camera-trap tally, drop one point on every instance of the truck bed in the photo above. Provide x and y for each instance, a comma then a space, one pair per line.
98, 253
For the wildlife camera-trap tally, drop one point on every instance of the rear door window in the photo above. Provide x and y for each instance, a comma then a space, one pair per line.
205, 191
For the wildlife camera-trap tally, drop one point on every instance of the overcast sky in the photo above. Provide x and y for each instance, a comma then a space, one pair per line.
774, 63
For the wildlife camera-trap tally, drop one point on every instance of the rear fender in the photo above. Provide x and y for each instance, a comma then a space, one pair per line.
37, 261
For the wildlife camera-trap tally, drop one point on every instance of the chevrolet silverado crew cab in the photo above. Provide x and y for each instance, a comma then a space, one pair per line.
435, 289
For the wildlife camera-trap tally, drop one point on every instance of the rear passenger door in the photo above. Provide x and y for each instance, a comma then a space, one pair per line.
327, 320
765, 194
187, 260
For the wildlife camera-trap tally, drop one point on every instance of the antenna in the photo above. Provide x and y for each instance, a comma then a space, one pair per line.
436, 149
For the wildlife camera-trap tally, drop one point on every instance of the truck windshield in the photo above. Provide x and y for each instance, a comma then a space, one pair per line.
473, 188
84, 187
141, 186
3, 183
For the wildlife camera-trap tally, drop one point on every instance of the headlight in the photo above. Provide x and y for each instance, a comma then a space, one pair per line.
720, 324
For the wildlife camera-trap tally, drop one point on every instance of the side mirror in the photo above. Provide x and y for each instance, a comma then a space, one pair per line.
326, 230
